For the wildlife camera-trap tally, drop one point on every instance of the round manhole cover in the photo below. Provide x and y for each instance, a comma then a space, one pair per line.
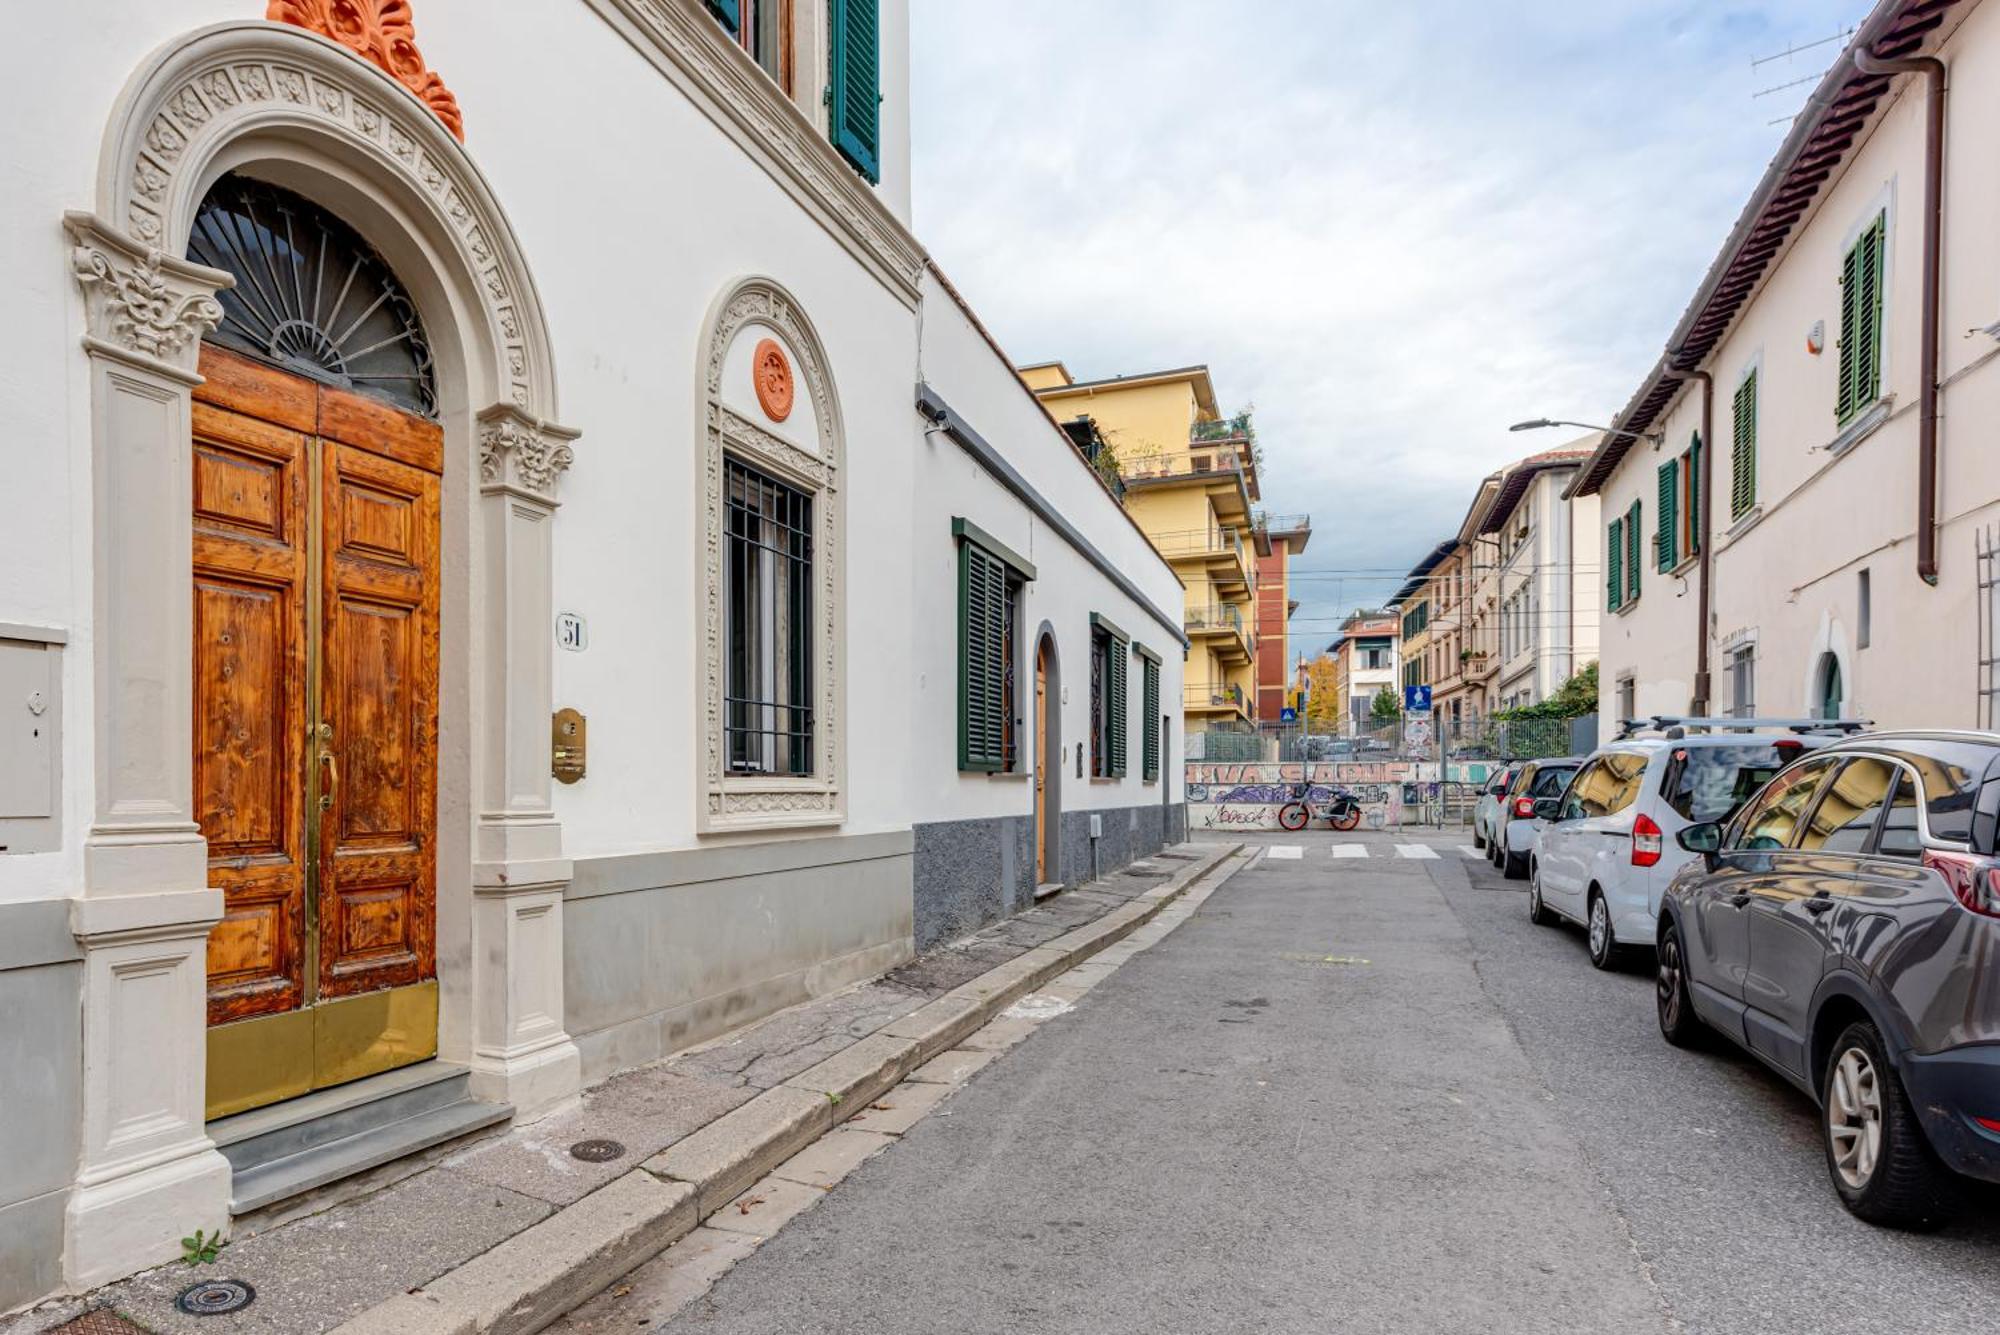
213, 1297
597, 1151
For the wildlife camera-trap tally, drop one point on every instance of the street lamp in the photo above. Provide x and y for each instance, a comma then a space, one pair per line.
1657, 437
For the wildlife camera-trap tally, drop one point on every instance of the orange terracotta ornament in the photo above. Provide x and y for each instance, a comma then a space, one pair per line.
382, 33
771, 371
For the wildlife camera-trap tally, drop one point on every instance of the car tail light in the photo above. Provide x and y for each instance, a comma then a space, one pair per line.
1975, 881
1524, 807
1646, 841
1990, 1123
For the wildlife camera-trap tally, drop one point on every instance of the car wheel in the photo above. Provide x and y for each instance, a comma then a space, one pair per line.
1513, 865
1603, 945
1478, 837
1538, 913
1883, 1168
1679, 1025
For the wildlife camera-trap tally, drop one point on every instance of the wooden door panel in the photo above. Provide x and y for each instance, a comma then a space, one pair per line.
379, 686
249, 605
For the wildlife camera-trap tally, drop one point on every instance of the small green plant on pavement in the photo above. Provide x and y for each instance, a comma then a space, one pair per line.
201, 1249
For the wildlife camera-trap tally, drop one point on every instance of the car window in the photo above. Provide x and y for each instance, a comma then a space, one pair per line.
1773, 817
1950, 773
1499, 783
1608, 784
1586, 778
1522, 778
1900, 837
1550, 781
1844, 820
1713, 782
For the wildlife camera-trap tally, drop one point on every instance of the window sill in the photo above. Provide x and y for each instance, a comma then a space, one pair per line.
1861, 427
1625, 607
1748, 520
1687, 564
1003, 775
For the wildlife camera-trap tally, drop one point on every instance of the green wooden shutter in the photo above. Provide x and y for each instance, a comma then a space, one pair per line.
1693, 471
1666, 544
1115, 703
730, 12
1632, 553
1868, 363
1614, 565
1861, 322
1743, 454
1150, 697
854, 83
982, 610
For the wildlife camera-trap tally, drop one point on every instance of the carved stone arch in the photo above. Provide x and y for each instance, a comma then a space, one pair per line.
205, 90
737, 801
275, 99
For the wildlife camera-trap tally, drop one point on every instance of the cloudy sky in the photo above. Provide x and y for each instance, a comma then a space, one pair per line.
1394, 228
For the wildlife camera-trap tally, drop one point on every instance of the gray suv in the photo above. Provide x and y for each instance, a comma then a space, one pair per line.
1844, 927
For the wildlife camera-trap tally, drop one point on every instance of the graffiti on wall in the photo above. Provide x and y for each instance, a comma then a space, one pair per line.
1249, 795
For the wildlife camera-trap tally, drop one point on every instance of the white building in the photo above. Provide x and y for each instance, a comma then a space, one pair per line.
346, 451
1830, 559
1537, 578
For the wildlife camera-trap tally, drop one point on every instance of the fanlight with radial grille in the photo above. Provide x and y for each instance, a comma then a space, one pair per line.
311, 295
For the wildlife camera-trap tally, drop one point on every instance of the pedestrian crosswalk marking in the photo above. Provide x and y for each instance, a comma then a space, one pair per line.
1469, 851
1350, 850
1415, 851
1285, 851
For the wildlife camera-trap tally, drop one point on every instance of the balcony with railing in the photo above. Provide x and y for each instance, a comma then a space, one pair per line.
1215, 696
1220, 551
1222, 625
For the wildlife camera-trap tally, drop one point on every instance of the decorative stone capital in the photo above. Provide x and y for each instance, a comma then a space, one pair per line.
522, 454
142, 305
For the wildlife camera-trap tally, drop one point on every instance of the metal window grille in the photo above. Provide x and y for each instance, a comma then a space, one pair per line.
767, 696
1743, 682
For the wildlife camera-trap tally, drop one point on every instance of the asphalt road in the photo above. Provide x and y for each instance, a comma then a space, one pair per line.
1360, 1094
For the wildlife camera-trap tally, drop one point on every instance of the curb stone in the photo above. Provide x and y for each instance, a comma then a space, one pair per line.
538, 1275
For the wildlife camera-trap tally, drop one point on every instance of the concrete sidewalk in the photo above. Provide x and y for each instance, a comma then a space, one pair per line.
509, 1233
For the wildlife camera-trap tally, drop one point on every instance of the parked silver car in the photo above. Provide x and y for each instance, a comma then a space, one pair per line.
1844, 927
1518, 824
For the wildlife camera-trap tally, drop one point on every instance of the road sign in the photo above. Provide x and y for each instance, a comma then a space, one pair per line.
1288, 715
1417, 699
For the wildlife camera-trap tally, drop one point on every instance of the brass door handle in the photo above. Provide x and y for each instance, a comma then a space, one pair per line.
327, 759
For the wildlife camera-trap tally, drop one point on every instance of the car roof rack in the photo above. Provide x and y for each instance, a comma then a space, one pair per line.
1675, 725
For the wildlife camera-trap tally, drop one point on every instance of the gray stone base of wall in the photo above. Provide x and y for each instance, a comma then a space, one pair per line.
41, 1074
968, 873
666, 950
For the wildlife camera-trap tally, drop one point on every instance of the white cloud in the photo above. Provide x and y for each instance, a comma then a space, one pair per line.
1396, 229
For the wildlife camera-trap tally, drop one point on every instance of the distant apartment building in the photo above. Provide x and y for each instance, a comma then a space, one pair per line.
1190, 479
1287, 536
1365, 665
1422, 636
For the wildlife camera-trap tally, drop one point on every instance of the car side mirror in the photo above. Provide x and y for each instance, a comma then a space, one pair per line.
1705, 838
1548, 808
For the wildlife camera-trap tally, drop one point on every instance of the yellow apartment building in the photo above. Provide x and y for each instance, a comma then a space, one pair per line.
1190, 478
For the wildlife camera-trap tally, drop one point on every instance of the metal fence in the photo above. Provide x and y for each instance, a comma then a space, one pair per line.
1413, 738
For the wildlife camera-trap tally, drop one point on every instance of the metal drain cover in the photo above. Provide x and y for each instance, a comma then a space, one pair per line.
597, 1151
213, 1297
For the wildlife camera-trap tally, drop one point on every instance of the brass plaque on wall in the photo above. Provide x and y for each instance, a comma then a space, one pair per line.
567, 746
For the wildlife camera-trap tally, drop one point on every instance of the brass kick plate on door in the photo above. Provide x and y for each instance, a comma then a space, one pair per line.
567, 746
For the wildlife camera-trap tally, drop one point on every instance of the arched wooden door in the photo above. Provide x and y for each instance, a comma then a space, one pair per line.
1042, 762
316, 588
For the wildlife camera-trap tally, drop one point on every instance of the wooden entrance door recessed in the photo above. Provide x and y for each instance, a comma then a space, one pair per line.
316, 585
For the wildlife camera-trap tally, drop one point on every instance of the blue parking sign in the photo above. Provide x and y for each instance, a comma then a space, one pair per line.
1417, 699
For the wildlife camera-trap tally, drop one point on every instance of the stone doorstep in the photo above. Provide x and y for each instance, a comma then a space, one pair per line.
557, 1264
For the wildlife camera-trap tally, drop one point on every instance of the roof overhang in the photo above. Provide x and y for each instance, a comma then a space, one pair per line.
1834, 120
1195, 376
1421, 571
1514, 485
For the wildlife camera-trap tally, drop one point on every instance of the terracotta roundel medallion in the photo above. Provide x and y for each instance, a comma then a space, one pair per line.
772, 372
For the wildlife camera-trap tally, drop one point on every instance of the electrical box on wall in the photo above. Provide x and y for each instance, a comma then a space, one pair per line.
30, 738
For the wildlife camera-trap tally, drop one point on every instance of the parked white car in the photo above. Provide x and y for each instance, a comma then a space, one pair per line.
1608, 850
1486, 811
1519, 826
